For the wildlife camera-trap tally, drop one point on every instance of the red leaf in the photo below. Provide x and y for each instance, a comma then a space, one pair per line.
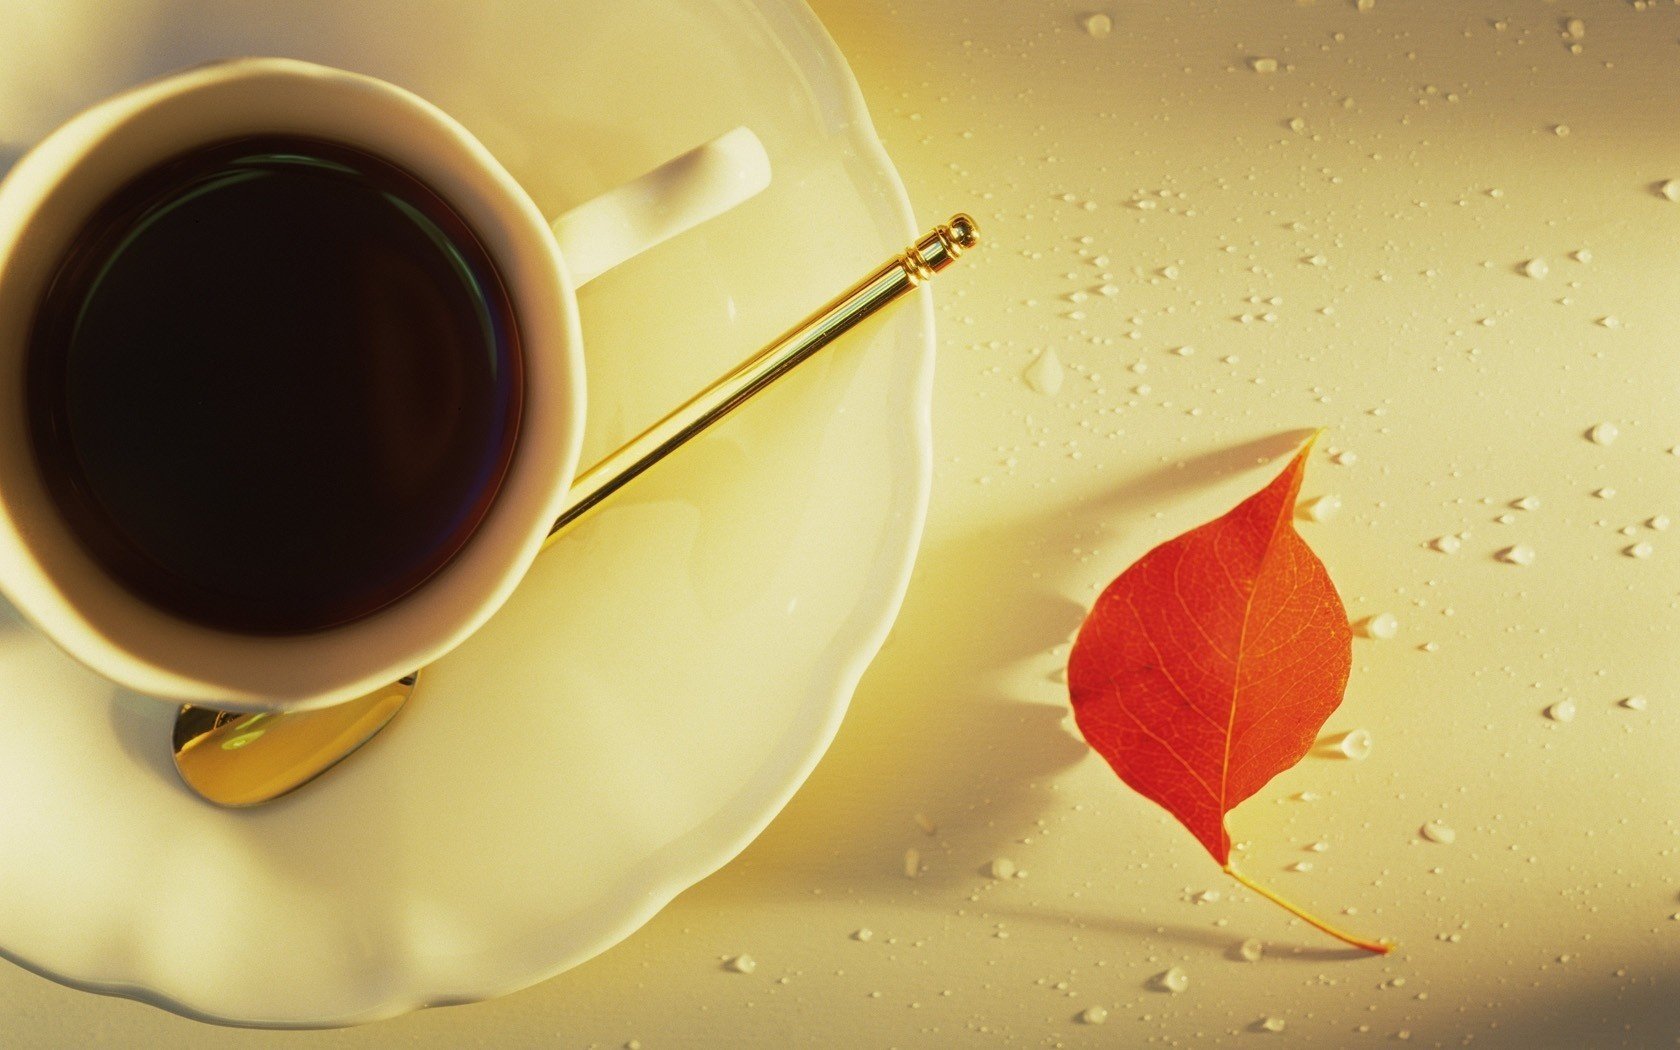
1209, 667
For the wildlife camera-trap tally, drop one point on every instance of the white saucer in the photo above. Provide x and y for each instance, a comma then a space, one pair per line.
666, 677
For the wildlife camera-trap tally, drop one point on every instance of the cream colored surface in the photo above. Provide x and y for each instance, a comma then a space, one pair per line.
1427, 169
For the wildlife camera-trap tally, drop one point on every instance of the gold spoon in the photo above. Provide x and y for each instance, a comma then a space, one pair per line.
237, 758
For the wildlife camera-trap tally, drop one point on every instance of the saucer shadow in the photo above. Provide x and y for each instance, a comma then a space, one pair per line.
10, 619
140, 724
143, 728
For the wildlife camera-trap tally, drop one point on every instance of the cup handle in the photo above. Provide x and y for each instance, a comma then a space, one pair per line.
678, 195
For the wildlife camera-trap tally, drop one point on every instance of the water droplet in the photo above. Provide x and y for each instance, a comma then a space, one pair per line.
1263, 65
1604, 493
863, 934
1297, 124
1604, 433
1657, 523
1045, 373
1174, 980
1382, 626
1581, 255
1272, 1024
1315, 260
1301, 866
1560, 130
1098, 25
1001, 868
1305, 796
1574, 29
1343, 458
1356, 744
1435, 831
743, 964
1251, 950
1536, 268
1638, 550
1670, 189
1526, 503
1093, 1015
1446, 544
1519, 554
1321, 508
1633, 703
1608, 321
1562, 711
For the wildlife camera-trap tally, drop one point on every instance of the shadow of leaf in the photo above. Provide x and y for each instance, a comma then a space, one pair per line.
935, 734
1174, 480
1228, 940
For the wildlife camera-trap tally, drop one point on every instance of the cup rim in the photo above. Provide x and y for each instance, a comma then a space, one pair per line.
57, 586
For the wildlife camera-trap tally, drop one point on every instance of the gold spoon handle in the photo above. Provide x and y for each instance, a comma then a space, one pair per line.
236, 758
827, 323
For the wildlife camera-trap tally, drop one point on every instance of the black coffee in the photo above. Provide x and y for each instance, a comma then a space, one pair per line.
274, 385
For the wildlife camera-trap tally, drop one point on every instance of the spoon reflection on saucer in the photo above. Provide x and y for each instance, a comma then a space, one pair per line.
242, 759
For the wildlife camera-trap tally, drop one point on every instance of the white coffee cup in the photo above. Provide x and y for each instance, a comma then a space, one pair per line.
53, 189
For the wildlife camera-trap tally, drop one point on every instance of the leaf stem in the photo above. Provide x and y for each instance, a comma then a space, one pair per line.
1378, 947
